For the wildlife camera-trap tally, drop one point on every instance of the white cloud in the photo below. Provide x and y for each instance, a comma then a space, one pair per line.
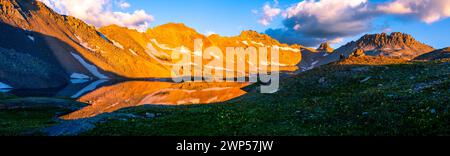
208, 33
329, 18
314, 21
99, 13
269, 13
123, 4
336, 40
428, 11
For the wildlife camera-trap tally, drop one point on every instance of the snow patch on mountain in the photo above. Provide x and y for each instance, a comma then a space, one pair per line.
4, 86
153, 53
31, 38
84, 44
79, 76
314, 63
132, 52
117, 44
289, 49
258, 43
162, 46
92, 68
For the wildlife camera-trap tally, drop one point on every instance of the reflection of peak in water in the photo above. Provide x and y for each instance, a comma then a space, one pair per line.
136, 93
183, 96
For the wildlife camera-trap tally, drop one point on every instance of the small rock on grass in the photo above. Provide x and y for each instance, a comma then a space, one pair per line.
433, 111
322, 80
150, 115
366, 79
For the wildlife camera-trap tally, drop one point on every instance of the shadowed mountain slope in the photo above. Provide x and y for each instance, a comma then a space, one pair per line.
69, 48
435, 55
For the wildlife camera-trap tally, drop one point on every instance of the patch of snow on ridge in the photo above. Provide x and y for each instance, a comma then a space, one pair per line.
117, 44
162, 46
307, 68
88, 88
79, 76
31, 38
258, 43
245, 42
314, 63
92, 68
132, 51
4, 86
84, 44
289, 49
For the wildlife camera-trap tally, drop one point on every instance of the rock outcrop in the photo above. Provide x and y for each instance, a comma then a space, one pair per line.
325, 47
358, 53
393, 45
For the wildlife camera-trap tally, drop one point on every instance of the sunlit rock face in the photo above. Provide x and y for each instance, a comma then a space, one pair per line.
396, 44
158, 44
68, 45
137, 93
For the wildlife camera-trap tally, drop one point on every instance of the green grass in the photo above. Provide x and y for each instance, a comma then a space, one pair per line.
399, 99
26, 121
389, 103
29, 119
4, 96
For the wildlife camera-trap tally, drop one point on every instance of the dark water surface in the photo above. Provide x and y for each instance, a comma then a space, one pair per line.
105, 96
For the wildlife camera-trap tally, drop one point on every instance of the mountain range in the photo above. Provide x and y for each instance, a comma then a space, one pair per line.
40, 48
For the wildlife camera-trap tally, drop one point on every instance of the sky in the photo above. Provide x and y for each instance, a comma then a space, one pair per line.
306, 22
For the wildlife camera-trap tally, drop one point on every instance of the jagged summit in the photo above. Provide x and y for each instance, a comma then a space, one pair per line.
392, 45
70, 48
325, 47
384, 40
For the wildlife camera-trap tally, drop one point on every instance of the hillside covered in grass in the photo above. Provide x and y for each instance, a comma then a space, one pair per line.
359, 96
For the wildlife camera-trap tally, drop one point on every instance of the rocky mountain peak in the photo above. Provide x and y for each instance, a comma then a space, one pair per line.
395, 39
395, 44
325, 47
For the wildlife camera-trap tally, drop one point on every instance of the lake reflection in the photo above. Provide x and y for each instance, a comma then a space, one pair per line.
105, 98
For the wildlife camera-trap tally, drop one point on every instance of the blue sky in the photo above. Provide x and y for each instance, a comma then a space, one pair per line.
230, 17
225, 17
